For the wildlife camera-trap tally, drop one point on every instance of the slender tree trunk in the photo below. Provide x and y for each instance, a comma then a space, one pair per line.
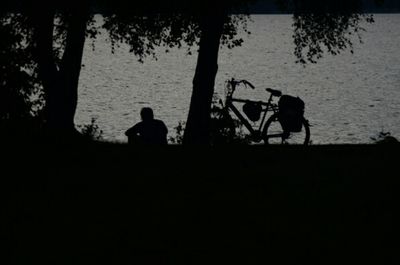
197, 129
48, 72
60, 83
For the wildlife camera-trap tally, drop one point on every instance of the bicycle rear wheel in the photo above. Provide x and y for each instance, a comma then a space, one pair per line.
274, 134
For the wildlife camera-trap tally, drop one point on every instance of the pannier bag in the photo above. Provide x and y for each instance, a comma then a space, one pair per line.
291, 111
252, 110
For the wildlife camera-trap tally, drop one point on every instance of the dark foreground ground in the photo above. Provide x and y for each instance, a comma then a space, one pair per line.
111, 204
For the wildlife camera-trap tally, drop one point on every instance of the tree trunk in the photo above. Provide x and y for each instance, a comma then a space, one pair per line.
70, 69
48, 73
60, 84
197, 129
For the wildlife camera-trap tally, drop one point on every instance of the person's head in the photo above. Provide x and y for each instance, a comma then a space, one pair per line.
146, 114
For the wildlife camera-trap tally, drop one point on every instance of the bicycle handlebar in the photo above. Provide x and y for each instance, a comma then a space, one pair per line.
234, 83
238, 82
247, 83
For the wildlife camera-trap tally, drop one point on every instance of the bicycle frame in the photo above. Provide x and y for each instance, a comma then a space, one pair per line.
268, 108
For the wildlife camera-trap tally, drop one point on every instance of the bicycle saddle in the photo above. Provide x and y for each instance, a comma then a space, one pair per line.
274, 92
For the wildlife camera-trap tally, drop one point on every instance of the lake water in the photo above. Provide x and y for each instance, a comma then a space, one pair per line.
349, 98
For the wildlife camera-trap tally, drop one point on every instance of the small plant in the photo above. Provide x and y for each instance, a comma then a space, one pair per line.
91, 131
224, 128
384, 138
179, 131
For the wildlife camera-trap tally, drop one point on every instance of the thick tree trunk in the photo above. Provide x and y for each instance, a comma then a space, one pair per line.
197, 129
60, 84
70, 69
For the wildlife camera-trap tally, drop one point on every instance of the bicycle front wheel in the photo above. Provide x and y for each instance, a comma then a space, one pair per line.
274, 134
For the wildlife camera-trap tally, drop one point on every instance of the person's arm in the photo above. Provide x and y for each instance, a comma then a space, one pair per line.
133, 130
165, 129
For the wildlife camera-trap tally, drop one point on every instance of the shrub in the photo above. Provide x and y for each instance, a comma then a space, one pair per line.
224, 128
179, 131
91, 131
384, 138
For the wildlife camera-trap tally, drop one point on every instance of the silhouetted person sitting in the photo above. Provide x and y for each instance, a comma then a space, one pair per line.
149, 131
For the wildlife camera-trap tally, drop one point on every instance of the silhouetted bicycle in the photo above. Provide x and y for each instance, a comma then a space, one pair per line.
273, 130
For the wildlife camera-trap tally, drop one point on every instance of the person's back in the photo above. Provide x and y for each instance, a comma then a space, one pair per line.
149, 131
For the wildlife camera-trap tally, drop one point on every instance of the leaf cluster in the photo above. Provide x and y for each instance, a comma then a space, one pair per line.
20, 89
144, 33
315, 34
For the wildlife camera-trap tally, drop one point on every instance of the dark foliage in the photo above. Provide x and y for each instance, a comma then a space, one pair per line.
21, 98
315, 34
144, 33
18, 81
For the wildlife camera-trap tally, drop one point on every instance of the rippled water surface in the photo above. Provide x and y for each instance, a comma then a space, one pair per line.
349, 97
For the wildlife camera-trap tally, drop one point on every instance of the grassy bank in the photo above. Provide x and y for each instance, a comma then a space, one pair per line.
113, 204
